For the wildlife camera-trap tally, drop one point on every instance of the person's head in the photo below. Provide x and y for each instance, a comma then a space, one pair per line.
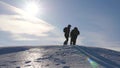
75, 28
69, 26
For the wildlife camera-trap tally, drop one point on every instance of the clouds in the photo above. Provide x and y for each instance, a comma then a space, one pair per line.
24, 29
17, 25
21, 25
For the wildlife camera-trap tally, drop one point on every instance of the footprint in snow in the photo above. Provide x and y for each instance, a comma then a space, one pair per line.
17, 67
59, 61
66, 67
27, 62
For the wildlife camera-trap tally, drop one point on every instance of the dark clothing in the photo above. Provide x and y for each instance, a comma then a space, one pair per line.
66, 31
74, 33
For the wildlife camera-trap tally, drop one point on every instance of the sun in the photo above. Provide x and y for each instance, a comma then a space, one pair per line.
32, 8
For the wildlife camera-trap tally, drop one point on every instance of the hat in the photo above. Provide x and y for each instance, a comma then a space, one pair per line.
69, 25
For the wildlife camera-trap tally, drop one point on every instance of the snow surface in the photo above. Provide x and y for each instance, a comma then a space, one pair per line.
53, 57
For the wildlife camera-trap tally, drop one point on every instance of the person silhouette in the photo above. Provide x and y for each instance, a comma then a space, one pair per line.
74, 34
66, 31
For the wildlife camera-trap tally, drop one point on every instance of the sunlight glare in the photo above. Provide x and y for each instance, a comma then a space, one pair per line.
32, 8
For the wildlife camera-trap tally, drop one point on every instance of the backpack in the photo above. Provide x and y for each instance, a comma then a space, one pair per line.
65, 29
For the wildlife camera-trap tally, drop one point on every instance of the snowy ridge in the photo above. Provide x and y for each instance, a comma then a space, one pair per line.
58, 57
93, 54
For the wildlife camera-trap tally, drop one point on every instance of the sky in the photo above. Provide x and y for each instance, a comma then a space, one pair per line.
23, 25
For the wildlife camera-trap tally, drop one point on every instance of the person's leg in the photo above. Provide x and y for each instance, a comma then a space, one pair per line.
66, 40
74, 41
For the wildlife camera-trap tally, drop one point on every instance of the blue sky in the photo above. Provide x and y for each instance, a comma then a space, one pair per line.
97, 20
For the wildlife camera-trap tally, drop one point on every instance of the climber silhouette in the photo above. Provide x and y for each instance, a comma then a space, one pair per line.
66, 31
74, 34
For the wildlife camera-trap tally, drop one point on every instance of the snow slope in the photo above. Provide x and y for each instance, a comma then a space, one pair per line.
58, 57
105, 57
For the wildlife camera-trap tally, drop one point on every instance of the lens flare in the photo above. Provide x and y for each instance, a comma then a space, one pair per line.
93, 64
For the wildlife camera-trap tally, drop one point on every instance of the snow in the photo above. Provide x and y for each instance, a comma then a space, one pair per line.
52, 57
